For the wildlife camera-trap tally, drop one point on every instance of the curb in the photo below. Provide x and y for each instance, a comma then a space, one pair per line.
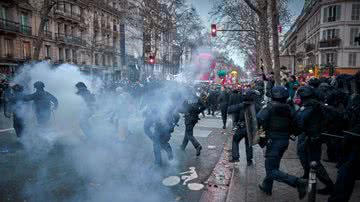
218, 183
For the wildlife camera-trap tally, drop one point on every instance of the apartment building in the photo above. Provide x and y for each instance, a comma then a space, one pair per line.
82, 32
324, 35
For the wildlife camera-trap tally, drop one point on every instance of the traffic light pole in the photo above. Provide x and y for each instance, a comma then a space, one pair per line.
236, 30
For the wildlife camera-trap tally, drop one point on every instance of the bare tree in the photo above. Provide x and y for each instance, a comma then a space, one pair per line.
43, 7
275, 40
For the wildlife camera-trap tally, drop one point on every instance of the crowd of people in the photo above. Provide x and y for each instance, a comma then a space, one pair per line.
320, 111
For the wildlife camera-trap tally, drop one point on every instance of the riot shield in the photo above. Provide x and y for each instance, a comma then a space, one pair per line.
251, 124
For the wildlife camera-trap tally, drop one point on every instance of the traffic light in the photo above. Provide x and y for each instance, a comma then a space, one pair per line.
213, 30
151, 59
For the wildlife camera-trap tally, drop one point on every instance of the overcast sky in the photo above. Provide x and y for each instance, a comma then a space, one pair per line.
204, 7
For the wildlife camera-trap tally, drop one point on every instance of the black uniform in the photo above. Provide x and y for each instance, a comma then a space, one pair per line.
212, 102
87, 111
349, 170
235, 98
276, 118
191, 109
17, 107
43, 101
223, 100
309, 122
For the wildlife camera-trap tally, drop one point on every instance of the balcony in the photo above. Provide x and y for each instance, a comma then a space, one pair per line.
309, 47
67, 15
329, 43
12, 26
70, 40
48, 35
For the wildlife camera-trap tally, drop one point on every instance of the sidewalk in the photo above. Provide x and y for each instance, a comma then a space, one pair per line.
245, 180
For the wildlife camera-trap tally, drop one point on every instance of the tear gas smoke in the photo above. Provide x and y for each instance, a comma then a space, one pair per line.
100, 167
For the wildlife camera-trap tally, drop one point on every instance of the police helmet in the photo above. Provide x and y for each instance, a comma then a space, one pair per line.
39, 85
80, 85
279, 92
314, 82
305, 91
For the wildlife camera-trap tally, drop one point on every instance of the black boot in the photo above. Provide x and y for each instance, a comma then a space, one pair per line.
249, 162
265, 191
326, 191
233, 160
198, 150
301, 187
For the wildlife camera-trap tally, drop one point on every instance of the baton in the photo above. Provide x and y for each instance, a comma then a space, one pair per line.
331, 135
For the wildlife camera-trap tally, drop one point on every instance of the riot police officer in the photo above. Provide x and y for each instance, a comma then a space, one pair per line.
43, 102
17, 108
191, 109
86, 111
240, 131
223, 100
348, 172
276, 119
309, 121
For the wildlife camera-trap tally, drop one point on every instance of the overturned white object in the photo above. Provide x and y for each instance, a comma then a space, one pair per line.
171, 181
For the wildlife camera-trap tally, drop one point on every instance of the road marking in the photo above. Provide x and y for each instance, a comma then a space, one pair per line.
187, 176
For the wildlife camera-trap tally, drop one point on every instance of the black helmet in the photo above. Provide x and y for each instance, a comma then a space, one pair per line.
279, 92
305, 91
80, 85
39, 85
18, 87
314, 82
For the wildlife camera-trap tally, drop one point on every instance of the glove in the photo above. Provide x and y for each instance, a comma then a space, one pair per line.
262, 142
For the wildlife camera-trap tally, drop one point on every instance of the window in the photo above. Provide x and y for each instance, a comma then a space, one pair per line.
46, 26
332, 13
96, 59
2, 12
8, 48
26, 49
67, 55
330, 58
61, 54
330, 34
352, 59
74, 56
354, 32
48, 51
59, 28
103, 60
355, 12
24, 22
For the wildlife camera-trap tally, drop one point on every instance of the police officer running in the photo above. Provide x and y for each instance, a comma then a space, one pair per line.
276, 119
88, 110
238, 110
43, 102
191, 109
309, 120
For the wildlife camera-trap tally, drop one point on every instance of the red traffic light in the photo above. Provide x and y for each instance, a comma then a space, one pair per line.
213, 30
151, 59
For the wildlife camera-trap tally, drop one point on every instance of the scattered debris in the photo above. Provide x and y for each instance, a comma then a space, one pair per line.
195, 186
211, 147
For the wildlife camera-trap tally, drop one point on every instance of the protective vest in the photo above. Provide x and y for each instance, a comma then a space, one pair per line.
280, 119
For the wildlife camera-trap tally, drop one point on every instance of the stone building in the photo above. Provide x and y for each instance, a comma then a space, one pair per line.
324, 35
82, 32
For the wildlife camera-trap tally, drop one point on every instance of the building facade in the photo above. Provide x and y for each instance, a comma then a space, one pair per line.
83, 32
324, 35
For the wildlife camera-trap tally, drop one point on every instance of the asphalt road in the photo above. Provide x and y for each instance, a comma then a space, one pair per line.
104, 169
